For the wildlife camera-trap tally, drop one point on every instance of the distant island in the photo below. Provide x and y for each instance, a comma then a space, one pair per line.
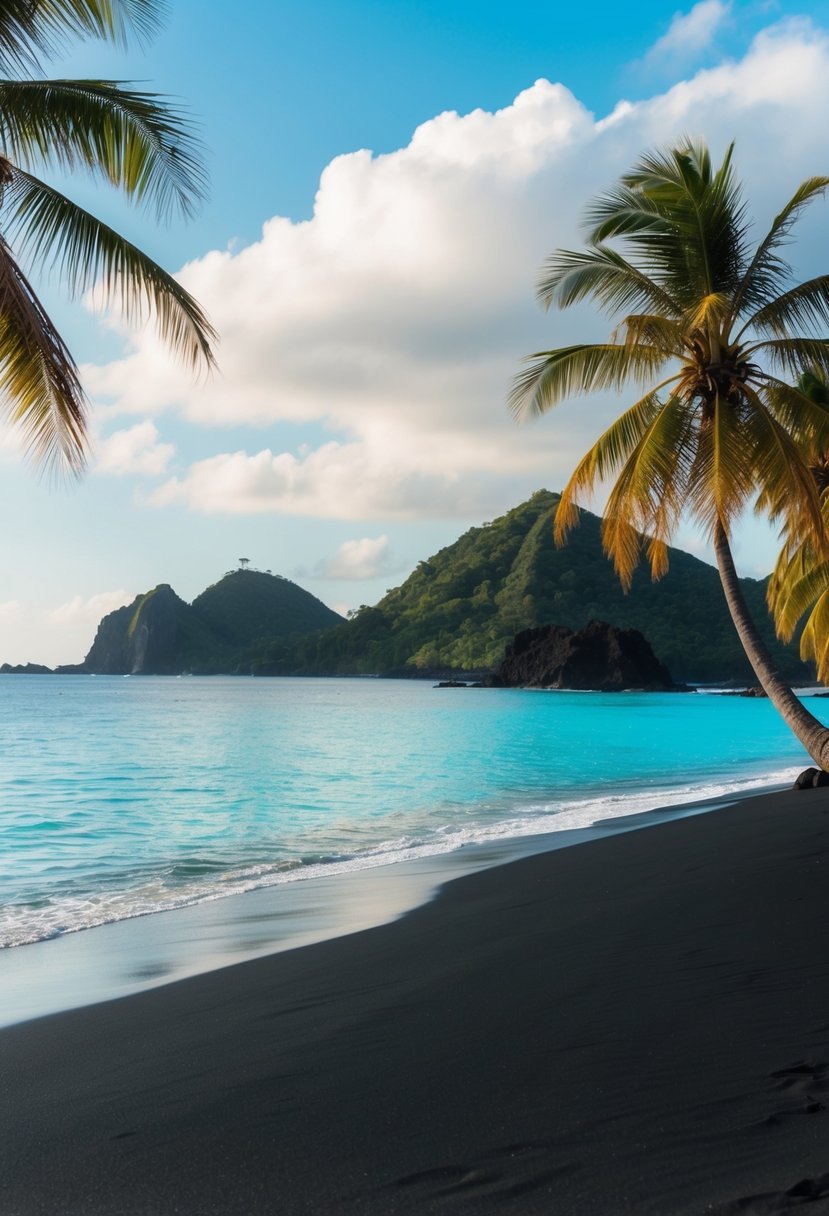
456, 614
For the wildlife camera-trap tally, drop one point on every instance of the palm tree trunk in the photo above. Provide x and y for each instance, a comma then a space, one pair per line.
812, 734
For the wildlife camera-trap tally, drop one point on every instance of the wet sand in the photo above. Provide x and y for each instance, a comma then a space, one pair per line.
638, 1024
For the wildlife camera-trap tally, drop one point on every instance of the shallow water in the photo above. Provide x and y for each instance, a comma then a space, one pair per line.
125, 796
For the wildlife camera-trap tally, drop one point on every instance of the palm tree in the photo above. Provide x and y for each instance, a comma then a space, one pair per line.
722, 328
799, 585
133, 140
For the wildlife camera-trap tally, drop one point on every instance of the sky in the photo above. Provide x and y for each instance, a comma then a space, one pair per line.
387, 179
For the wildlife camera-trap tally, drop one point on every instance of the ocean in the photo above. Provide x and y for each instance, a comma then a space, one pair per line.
128, 798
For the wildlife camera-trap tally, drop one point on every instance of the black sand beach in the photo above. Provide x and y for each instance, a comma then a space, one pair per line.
635, 1025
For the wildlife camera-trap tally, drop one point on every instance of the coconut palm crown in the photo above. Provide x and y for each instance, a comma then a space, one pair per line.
133, 140
714, 329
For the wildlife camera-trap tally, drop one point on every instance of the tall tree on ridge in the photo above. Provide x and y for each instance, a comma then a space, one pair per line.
726, 328
133, 140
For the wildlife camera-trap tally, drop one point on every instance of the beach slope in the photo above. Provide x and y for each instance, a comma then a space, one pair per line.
639, 1024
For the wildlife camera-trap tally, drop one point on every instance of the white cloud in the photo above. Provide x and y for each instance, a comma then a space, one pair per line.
366, 558
689, 33
394, 319
80, 611
335, 481
135, 450
9, 610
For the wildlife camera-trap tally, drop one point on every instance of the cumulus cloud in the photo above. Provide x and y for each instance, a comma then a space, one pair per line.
135, 450
366, 558
394, 319
80, 611
689, 33
9, 610
335, 481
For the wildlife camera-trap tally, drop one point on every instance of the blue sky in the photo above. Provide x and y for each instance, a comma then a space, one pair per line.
386, 180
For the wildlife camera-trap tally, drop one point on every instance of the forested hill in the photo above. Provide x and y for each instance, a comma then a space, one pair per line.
223, 630
461, 607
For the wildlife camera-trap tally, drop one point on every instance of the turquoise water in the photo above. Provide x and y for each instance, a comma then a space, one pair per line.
124, 796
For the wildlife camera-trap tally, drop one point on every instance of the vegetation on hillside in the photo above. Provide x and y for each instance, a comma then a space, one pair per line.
248, 608
460, 607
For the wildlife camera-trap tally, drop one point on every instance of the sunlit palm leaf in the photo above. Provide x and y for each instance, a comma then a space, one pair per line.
39, 386
554, 375
814, 641
781, 469
605, 457
648, 491
798, 585
51, 229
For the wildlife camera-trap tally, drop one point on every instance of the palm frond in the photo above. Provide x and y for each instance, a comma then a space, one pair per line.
798, 413
721, 482
32, 29
686, 223
795, 356
136, 141
767, 273
51, 229
708, 310
805, 306
796, 585
39, 385
603, 274
787, 481
649, 329
648, 494
814, 641
623, 211
609, 451
554, 375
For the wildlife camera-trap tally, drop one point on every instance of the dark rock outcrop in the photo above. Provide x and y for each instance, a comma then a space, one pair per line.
599, 658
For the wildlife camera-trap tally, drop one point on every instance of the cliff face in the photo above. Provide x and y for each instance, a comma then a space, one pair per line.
141, 638
599, 658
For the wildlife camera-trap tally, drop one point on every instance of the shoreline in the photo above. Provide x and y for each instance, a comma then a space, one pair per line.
636, 1025
140, 952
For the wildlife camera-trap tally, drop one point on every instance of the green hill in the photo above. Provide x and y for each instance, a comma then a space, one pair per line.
247, 608
225, 629
459, 609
